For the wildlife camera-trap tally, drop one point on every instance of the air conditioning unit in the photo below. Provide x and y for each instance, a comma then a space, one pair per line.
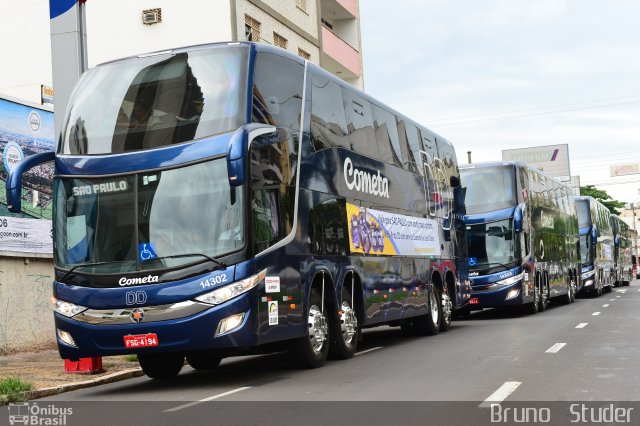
152, 16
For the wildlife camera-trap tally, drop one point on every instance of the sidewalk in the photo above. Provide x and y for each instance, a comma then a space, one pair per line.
45, 371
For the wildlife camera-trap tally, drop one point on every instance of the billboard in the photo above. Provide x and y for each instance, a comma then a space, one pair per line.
553, 160
625, 169
26, 130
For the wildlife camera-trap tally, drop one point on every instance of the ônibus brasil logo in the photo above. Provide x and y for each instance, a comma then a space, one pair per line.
365, 182
26, 413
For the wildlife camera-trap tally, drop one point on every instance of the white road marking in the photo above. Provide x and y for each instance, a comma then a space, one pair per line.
606, 305
582, 325
211, 398
639, 289
622, 291
368, 350
618, 297
612, 300
501, 394
555, 348
596, 313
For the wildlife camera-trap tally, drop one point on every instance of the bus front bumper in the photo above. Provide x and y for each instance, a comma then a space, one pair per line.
509, 295
199, 331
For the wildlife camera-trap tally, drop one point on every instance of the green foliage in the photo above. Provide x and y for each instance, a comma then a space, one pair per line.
603, 197
131, 358
13, 389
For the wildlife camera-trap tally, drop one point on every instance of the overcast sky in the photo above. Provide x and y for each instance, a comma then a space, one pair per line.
498, 74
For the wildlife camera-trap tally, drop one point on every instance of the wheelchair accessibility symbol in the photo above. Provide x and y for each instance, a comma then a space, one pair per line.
146, 251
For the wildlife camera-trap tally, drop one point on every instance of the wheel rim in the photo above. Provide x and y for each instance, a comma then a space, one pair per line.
434, 307
348, 323
318, 329
446, 307
536, 295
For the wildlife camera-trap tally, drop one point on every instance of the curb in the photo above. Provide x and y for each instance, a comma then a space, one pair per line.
55, 390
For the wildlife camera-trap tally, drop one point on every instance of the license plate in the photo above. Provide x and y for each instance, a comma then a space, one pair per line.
473, 301
140, 340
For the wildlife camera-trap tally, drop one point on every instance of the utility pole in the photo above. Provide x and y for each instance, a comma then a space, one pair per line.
469, 157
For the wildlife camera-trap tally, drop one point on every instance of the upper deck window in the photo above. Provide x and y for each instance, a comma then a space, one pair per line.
155, 101
489, 189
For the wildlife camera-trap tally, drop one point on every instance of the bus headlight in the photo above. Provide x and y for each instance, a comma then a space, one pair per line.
514, 292
589, 274
230, 291
67, 309
511, 280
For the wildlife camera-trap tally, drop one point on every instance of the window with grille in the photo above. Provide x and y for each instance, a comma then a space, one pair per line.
279, 41
251, 29
305, 55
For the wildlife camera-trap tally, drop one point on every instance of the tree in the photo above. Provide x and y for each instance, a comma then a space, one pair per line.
603, 197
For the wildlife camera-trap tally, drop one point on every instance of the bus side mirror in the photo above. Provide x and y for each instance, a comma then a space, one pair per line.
517, 219
238, 150
594, 236
14, 180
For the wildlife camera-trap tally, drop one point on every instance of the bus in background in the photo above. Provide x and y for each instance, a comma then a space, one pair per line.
622, 251
596, 246
522, 236
233, 198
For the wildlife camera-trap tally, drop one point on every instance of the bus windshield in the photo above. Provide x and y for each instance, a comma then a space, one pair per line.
489, 189
137, 222
585, 249
584, 214
491, 244
158, 100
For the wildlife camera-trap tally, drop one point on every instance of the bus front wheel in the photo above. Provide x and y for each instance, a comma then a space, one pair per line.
311, 350
203, 361
161, 366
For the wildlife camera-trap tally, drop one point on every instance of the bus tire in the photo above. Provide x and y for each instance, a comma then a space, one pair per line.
203, 361
532, 308
446, 312
544, 298
568, 298
311, 350
429, 323
161, 366
346, 329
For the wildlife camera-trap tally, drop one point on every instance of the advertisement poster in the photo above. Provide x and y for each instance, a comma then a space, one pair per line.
377, 232
24, 131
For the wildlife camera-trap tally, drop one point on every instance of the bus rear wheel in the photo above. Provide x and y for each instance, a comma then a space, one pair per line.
161, 366
447, 312
311, 350
532, 308
429, 324
346, 329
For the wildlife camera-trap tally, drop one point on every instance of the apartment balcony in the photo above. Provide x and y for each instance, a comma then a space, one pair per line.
339, 57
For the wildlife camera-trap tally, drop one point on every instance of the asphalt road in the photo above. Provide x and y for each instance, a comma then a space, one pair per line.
568, 353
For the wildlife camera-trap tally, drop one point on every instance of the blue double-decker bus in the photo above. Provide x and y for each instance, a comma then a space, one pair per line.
623, 262
596, 246
233, 198
522, 236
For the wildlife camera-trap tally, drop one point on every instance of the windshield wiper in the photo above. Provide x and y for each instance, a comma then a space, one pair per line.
206, 256
89, 264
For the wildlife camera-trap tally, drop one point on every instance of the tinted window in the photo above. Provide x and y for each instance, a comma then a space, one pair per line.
277, 91
328, 124
584, 213
489, 189
413, 137
156, 101
384, 124
360, 124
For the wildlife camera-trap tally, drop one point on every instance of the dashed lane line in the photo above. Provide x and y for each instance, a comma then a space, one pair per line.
606, 305
501, 394
555, 348
211, 398
596, 313
582, 325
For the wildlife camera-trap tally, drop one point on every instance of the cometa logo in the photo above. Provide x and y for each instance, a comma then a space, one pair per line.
150, 279
365, 182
